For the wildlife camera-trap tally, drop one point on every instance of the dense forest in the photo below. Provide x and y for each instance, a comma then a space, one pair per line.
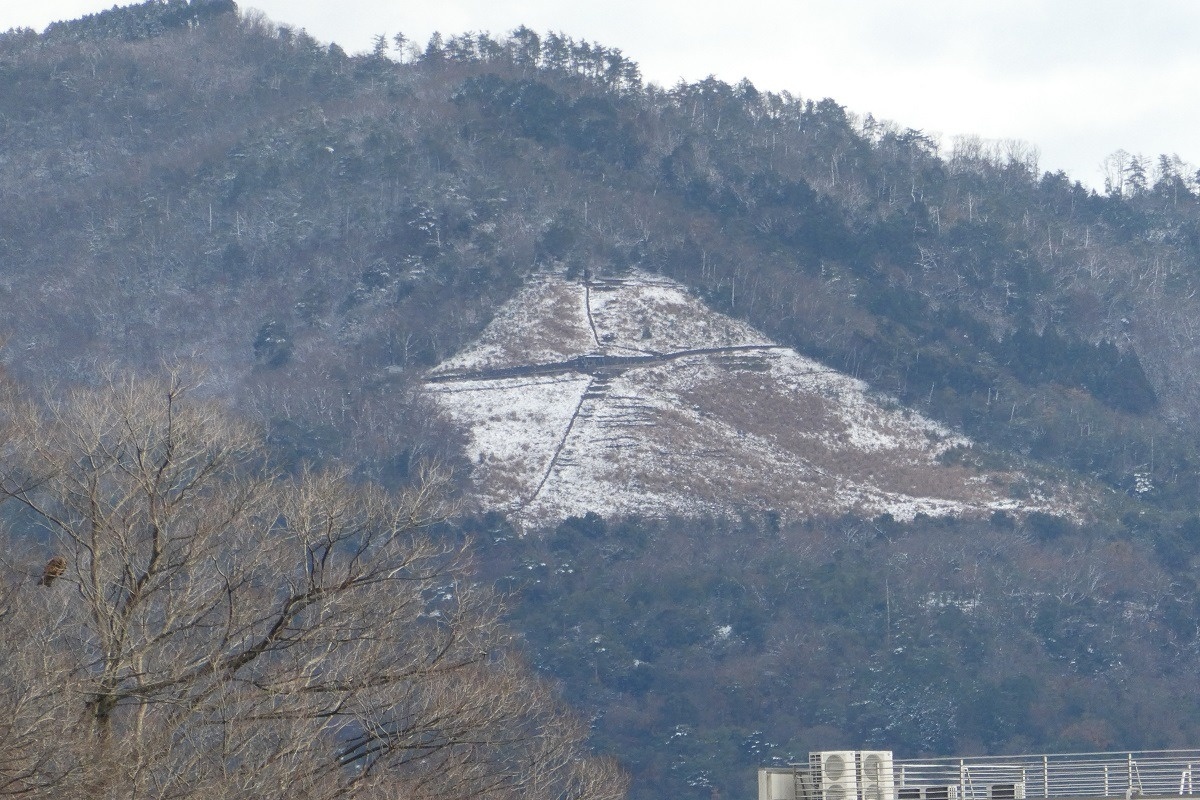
184, 181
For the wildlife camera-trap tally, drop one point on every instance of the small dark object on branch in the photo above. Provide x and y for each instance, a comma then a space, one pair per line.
55, 568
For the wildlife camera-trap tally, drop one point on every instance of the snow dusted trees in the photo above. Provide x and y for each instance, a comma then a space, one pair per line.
218, 630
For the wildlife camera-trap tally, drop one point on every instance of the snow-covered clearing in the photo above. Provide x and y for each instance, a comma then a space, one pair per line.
758, 429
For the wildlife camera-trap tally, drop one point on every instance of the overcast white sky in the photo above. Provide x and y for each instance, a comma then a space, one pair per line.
1076, 78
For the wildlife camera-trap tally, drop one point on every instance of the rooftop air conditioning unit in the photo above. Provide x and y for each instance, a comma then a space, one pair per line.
875, 777
1007, 791
838, 770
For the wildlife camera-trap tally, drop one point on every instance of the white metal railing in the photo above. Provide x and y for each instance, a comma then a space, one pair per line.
1151, 773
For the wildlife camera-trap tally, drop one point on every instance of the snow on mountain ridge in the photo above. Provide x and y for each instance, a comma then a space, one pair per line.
632, 397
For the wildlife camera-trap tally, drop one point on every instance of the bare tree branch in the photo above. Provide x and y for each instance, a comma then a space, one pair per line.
212, 629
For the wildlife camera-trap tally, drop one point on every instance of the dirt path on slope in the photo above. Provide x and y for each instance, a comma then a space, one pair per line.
562, 442
595, 364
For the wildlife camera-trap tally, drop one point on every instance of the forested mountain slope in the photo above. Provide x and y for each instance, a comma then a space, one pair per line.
302, 220
181, 180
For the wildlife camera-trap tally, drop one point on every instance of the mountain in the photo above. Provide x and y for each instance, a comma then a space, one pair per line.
344, 241
319, 230
627, 395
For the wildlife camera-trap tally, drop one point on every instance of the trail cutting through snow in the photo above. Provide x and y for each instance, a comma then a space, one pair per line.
587, 304
594, 364
562, 442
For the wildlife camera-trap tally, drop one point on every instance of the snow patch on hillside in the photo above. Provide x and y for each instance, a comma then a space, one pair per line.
665, 430
646, 314
545, 323
515, 427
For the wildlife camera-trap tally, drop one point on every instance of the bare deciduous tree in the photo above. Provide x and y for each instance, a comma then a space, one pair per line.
217, 630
